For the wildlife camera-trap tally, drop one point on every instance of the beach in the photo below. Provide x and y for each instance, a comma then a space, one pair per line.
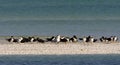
53, 53
49, 48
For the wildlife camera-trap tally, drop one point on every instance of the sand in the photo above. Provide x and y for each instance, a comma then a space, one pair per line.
49, 48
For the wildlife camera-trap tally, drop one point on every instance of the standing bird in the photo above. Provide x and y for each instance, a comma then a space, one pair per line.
50, 39
64, 39
74, 38
115, 38
20, 40
57, 38
11, 39
84, 39
88, 39
31, 39
92, 39
40, 40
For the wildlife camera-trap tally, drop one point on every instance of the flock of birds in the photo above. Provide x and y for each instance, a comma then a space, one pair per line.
59, 38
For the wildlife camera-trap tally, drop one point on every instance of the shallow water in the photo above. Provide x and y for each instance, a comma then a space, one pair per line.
95, 59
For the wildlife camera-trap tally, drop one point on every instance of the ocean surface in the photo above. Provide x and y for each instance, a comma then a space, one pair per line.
64, 17
97, 59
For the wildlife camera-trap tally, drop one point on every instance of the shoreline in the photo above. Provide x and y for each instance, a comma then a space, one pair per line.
50, 48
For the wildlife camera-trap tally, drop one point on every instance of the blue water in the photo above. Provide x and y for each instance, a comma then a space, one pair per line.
97, 59
64, 17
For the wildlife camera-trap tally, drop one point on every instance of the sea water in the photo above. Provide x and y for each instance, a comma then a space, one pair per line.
95, 59
63, 17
